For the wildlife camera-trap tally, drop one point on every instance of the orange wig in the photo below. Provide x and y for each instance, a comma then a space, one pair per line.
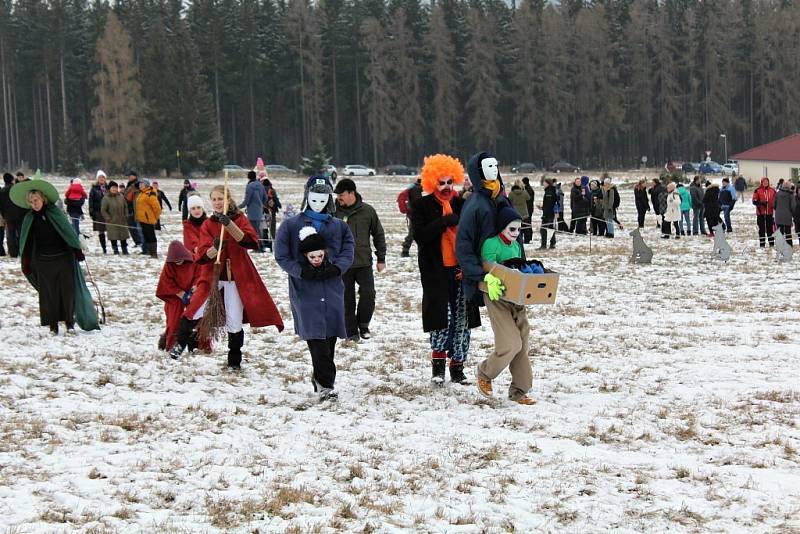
440, 166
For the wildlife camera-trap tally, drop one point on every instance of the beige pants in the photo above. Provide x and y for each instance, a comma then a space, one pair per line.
510, 327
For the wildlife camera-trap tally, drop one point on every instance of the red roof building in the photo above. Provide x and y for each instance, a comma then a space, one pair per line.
775, 160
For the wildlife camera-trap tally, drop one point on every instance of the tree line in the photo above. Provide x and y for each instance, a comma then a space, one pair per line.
167, 84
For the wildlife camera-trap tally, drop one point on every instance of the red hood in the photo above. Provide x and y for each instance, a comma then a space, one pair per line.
178, 252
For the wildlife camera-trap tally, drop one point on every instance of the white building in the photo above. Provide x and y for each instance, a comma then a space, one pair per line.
775, 160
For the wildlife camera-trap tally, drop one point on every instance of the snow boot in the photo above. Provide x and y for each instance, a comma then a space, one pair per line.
438, 365
484, 387
124, 247
185, 330
114, 246
323, 392
152, 250
457, 375
235, 342
102, 238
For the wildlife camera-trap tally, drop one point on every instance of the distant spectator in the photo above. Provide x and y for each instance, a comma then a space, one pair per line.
741, 186
642, 204
698, 211
75, 197
658, 198
254, 199
785, 205
711, 206
96, 194
686, 206
579, 206
727, 199
527, 230
185, 190
764, 201
672, 213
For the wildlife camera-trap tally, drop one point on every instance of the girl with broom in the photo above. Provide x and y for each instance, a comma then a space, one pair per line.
233, 292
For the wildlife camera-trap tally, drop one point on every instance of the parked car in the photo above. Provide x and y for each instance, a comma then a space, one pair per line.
690, 167
673, 166
730, 168
235, 170
563, 166
358, 170
279, 169
710, 167
400, 170
523, 168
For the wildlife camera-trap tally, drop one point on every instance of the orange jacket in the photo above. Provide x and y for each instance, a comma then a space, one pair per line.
764, 198
147, 209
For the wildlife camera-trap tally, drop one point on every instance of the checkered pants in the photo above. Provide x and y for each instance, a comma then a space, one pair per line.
455, 338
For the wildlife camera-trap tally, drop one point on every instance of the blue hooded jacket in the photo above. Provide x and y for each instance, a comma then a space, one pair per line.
477, 223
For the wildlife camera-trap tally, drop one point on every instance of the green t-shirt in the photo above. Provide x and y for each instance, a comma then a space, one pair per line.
495, 250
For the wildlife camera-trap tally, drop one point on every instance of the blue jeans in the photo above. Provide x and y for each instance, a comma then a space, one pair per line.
726, 212
76, 224
610, 226
256, 224
685, 224
698, 220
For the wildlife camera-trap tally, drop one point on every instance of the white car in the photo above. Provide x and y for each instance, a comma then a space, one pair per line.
358, 170
730, 168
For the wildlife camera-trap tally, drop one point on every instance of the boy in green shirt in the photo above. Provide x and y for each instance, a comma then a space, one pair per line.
509, 321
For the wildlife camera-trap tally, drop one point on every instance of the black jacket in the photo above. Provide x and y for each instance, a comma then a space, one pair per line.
12, 213
532, 193
96, 195
429, 225
640, 196
549, 201
711, 202
655, 197
579, 205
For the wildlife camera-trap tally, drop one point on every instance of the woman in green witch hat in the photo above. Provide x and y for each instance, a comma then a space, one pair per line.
50, 252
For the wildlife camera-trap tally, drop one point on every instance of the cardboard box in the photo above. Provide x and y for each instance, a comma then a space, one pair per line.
523, 288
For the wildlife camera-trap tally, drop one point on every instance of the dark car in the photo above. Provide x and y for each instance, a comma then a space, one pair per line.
563, 166
689, 167
524, 167
710, 167
400, 170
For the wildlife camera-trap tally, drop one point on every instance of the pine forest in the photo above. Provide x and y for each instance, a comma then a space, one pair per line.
167, 85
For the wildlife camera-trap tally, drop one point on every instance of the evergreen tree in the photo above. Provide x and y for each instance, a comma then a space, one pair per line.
444, 87
69, 157
483, 80
378, 93
405, 74
118, 119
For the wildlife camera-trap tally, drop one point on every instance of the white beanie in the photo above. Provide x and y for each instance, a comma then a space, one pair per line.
76, 181
194, 200
99, 174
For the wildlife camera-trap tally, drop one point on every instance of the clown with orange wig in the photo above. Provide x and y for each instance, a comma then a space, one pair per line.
445, 313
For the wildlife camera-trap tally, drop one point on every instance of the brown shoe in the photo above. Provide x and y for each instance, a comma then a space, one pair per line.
526, 400
484, 387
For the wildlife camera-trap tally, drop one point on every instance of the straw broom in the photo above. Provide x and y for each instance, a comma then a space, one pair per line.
212, 325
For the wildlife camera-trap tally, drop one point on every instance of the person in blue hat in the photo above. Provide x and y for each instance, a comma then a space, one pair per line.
50, 252
316, 290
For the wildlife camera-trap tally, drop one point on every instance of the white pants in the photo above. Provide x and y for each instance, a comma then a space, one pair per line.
234, 310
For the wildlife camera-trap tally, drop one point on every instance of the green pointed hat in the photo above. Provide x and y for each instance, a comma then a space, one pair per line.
19, 192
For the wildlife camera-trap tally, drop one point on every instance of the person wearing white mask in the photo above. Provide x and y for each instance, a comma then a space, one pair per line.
316, 292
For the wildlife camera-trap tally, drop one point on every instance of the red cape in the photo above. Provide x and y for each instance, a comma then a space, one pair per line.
175, 278
191, 236
259, 309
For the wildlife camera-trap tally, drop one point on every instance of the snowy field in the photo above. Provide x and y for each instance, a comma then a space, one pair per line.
668, 399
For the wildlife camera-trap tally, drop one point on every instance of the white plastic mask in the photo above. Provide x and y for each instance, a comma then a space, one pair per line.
318, 201
489, 166
512, 229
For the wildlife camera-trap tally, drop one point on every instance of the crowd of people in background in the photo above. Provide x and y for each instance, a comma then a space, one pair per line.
329, 248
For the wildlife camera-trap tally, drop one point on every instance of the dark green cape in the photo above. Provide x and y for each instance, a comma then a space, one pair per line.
85, 312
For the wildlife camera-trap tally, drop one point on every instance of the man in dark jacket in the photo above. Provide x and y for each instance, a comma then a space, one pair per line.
741, 186
414, 194
12, 214
5, 202
698, 211
131, 192
527, 231
254, 199
548, 208
657, 193
579, 207
184, 209
364, 224
271, 209
446, 314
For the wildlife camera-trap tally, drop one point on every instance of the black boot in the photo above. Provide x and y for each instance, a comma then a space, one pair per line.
438, 365
114, 246
235, 342
152, 250
102, 238
457, 373
185, 330
124, 247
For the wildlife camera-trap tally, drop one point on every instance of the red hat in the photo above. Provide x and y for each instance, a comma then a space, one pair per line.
178, 252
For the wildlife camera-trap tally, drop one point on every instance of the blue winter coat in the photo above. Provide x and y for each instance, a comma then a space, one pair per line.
254, 199
478, 222
317, 305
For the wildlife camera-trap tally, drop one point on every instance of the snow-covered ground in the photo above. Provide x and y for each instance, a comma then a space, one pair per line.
668, 399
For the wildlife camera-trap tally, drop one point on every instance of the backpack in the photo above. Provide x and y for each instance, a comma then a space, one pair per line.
402, 201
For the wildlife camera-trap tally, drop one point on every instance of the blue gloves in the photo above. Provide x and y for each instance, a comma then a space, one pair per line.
532, 268
187, 296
